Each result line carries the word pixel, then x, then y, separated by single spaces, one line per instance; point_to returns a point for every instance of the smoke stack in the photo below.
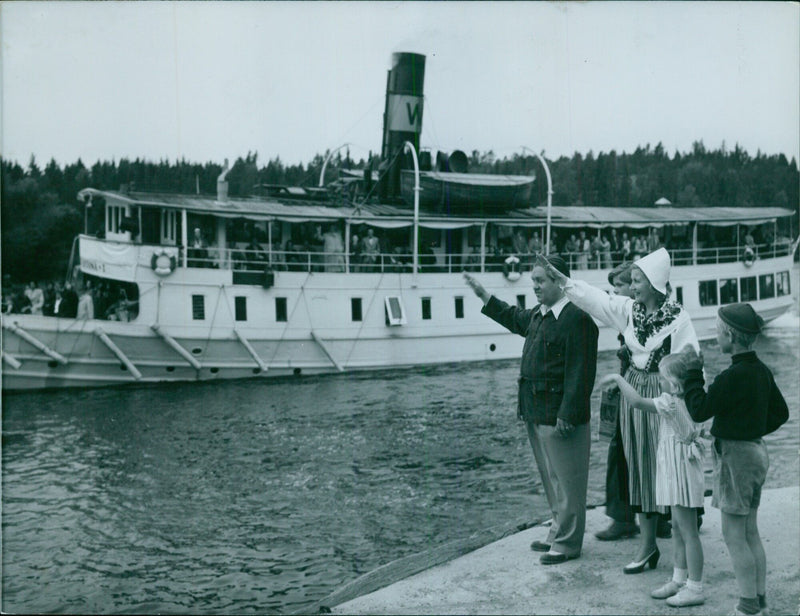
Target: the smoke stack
pixel 402 118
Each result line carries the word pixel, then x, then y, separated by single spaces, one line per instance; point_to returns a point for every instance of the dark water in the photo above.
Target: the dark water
pixel 265 496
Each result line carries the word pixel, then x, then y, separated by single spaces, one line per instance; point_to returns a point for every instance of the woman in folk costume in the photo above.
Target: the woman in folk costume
pixel 653 326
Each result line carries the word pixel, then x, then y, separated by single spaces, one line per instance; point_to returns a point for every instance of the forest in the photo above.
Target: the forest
pixel 41 215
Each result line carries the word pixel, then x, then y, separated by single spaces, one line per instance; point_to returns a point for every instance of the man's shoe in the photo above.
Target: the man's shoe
pixel 540 546
pixel 554 558
pixel 663 528
pixel 617 530
pixel 686 597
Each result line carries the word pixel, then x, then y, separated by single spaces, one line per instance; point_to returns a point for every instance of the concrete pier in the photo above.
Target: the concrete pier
pixel 505 577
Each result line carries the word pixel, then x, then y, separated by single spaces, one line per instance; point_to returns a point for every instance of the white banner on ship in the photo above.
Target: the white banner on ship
pixel 116 260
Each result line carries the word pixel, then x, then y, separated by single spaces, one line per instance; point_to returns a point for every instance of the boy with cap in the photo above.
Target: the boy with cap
pixel 746 404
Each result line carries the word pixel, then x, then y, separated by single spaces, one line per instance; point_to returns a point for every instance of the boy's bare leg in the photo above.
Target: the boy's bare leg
pixel 734 531
pixel 757 549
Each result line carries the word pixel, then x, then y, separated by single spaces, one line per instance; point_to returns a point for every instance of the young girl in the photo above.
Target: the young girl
pixel 679 475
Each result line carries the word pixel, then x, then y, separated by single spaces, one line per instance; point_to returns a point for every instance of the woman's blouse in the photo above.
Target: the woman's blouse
pixel 643 333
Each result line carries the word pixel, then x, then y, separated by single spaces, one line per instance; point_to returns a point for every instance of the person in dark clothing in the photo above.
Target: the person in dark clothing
pixel 559 361
pixel 68 308
pixel 746 405
pixel 623 518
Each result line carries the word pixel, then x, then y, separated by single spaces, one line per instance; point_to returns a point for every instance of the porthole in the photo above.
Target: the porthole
pixel 52 364
pixel 214 370
pixel 256 370
pixel 123 367
pixel 493 347
pixel 170 368
pixel 297 371
pixel 197 351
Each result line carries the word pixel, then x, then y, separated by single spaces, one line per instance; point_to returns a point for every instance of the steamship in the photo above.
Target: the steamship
pixel 203 303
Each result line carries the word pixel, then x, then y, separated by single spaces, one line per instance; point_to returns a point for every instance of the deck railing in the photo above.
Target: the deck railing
pixel 237 259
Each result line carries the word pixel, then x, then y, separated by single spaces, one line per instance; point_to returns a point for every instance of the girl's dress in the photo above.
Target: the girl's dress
pixel 648 338
pixel 679 460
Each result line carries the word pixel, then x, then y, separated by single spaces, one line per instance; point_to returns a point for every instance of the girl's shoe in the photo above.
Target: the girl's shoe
pixel 637 567
pixel 667 590
pixel 686 596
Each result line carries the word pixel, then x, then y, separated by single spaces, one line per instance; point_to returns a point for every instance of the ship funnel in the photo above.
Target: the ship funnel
pixel 402 117
pixel 222 184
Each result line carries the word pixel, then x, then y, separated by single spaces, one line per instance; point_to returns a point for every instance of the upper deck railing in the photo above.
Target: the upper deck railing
pixel 312 261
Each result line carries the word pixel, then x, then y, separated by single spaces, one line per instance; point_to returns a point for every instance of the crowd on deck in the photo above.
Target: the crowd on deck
pixel 92 298
pixel 323 249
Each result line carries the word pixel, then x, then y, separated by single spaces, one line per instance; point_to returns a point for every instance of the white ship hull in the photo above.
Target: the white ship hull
pixel 319 334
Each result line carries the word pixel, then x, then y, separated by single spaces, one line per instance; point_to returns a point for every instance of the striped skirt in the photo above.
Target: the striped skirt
pixel 639 431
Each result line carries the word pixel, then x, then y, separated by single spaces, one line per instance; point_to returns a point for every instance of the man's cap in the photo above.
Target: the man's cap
pixel 558 263
pixel 741 317
pixel 655 267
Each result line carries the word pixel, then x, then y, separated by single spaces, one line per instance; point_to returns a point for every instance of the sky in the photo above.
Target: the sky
pixel 206 81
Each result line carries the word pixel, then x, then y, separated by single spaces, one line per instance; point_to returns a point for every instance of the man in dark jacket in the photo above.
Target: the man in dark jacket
pixel 559 361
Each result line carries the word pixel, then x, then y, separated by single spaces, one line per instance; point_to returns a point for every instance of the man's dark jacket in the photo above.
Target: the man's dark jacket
pixel 559 361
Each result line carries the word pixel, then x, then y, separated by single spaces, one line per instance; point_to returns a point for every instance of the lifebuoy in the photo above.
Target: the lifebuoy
pixel 163 263
pixel 749 257
pixel 511 268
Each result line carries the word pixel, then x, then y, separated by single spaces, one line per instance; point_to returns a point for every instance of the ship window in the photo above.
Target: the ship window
pixel 459 307
pixel 355 309
pixel 198 307
pixel 114 216
pixel 395 313
pixel 748 289
pixel 782 283
pixel 280 309
pixel 679 295
pixel 521 302
pixel 728 291
pixel 766 286
pixel 708 292
pixel 426 308
pixel 240 305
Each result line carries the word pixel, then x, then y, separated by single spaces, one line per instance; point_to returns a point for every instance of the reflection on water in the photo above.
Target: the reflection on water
pixel 264 496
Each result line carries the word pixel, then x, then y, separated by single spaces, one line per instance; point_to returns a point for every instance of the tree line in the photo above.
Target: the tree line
pixel 41 214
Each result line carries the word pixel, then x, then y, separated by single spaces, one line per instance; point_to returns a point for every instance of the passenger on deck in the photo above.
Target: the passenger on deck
pixel 86 303
pixel 626 249
pixel 333 247
pixel 597 251
pixel 196 255
pixel 584 249
pixel 254 254
pixel 605 253
pixel 68 308
pixel 36 296
pixel 370 249
pixel 294 260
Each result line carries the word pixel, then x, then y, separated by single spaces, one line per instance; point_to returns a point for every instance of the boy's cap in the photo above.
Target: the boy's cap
pixel 741 317
pixel 558 263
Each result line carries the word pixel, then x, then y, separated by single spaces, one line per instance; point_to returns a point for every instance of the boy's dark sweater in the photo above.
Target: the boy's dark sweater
pixel 744 400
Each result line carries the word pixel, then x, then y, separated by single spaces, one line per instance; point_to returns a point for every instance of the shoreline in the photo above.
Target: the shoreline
pixel 505 576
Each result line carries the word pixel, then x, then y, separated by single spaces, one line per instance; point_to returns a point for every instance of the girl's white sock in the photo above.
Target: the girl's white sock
pixel 679 576
pixel 695 586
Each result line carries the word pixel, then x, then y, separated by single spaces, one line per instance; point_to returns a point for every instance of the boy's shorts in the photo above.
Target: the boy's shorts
pixel 740 468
